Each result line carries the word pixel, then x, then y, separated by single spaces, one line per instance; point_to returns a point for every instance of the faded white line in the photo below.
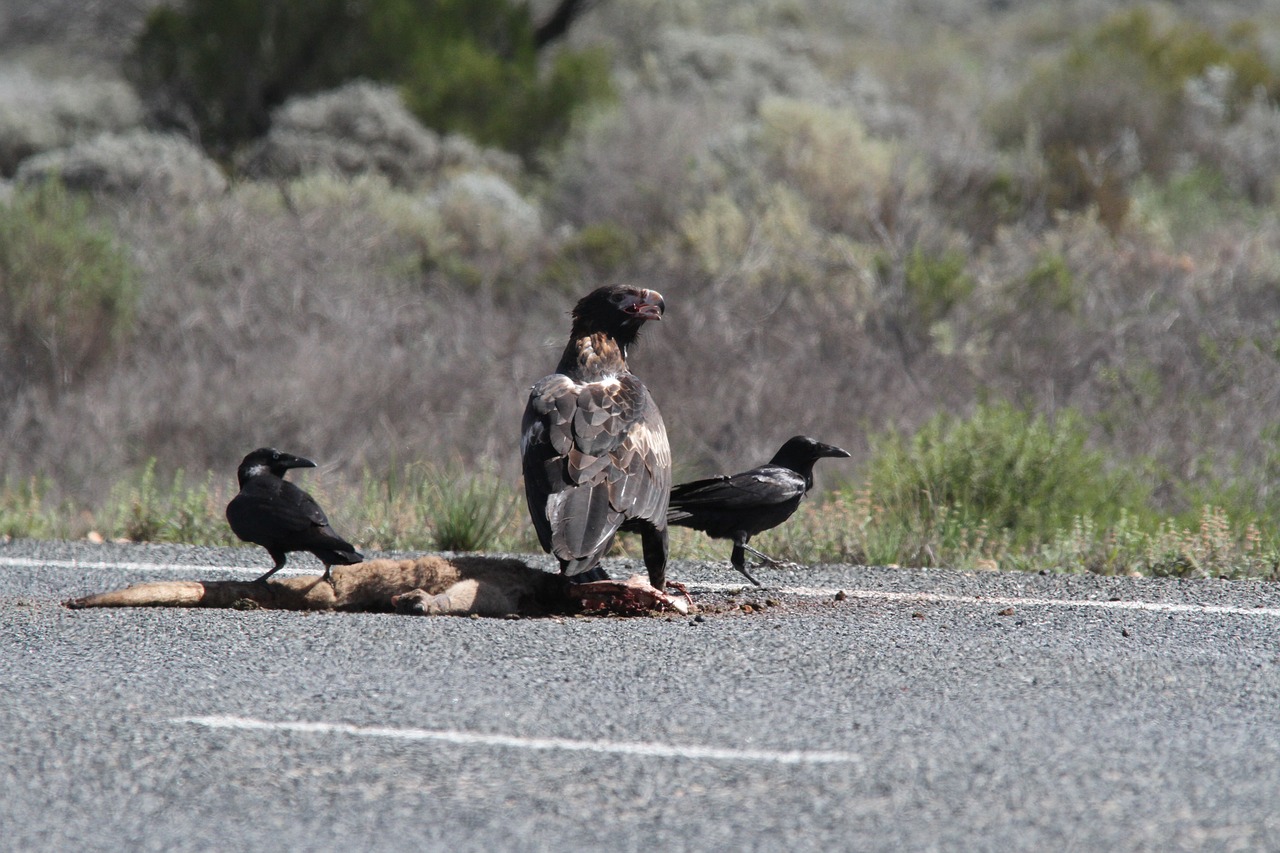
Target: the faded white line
pixel 463 738
pixel 1006 601
pixel 147 567
pixel 798 591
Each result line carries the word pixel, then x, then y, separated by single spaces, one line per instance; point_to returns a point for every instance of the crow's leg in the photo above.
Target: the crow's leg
pixel 279 557
pixel 766 559
pixel 739 560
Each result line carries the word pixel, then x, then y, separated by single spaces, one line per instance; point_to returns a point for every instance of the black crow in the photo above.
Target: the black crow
pixel 739 506
pixel 593 446
pixel 276 514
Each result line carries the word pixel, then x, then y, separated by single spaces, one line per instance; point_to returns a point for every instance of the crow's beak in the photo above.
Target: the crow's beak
pixel 832 450
pixel 290 461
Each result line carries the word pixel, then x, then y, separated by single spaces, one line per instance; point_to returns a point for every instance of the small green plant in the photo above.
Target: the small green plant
pixel 392 508
pixel 421 506
pixel 141 508
pixel 68 292
pixel 149 510
pixel 936 283
pixel 26 511
pixel 469 511
pixel 1050 283
pixel 196 513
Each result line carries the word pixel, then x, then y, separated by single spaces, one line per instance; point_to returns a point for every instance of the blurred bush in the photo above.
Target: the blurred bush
pixel 735 69
pixel 490 86
pixel 935 284
pixel 217 68
pixel 489 232
pixel 1242 144
pixel 68 293
pixel 1113 106
pixel 826 153
pixel 363 128
pixel 634 167
pixel 596 253
pixel 360 128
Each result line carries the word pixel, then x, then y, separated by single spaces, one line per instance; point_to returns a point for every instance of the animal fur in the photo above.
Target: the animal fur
pixel 427 586
pixel 484 586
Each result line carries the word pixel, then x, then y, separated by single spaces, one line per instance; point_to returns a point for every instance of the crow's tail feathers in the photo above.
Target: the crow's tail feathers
pixel 338 556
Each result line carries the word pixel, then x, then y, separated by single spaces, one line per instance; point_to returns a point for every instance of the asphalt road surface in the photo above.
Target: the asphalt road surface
pixel 927 710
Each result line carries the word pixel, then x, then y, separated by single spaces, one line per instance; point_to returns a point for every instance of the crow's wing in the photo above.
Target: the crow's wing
pixel 304 507
pixel 595 455
pixel 766 486
pixel 275 512
pixel 317 536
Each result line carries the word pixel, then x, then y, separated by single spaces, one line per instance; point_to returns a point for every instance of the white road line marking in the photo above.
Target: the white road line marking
pixel 799 591
pixel 462 738
pixel 1007 601
pixel 147 567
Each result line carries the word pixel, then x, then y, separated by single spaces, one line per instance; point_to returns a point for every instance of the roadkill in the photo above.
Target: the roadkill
pixel 425 586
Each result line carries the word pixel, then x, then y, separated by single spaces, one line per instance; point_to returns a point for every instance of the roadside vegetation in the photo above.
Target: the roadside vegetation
pixel 1024 263
pixel 1002 490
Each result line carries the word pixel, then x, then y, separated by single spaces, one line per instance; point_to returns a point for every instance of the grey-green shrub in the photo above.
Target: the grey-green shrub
pixel 38 113
pixel 139 162
pixel 358 129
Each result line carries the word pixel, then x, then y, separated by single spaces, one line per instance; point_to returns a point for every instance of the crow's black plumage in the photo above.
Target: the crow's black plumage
pixel 593 446
pixel 739 506
pixel 279 516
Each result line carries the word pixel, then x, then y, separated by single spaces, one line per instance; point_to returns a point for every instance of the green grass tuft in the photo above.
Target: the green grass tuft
pixel 1002 470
